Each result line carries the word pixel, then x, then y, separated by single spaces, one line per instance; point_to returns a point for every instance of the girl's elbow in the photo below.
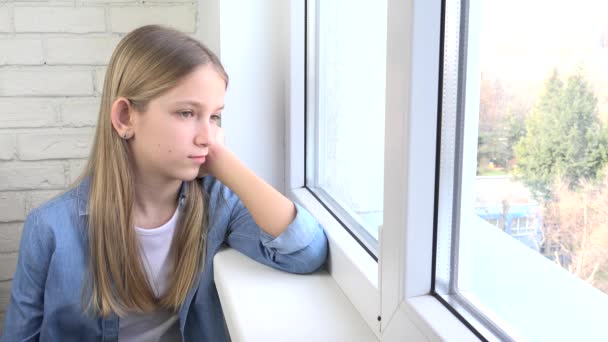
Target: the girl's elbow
pixel 315 254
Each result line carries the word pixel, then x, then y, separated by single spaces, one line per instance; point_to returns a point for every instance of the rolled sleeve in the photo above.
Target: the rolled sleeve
pixel 298 235
pixel 301 248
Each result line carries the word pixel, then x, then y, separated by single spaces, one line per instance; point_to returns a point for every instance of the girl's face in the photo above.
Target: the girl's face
pixel 172 138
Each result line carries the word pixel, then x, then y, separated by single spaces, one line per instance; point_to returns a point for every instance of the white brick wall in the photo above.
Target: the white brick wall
pixel 8 261
pixel 7 141
pixel 97 50
pixel 124 19
pixel 53 57
pixel 12 51
pixel 5 19
pixel 59 19
pixel 98 76
pixel 79 112
pixel 19 112
pixel 55 144
pixel 12 206
pixel 10 233
pixel 46 81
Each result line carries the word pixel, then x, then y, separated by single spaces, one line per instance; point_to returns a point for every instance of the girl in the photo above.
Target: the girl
pixel 127 254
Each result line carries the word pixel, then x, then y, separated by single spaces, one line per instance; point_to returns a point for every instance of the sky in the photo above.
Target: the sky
pixel 523 40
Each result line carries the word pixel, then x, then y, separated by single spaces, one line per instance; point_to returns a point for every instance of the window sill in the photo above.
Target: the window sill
pixel 431 318
pixel 264 304
pixel 418 319
pixel 351 267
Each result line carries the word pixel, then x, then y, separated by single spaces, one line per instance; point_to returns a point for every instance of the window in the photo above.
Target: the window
pixel 345 100
pixel 523 226
pixel 522 239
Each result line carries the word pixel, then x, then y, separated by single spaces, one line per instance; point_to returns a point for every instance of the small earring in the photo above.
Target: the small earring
pixel 125 136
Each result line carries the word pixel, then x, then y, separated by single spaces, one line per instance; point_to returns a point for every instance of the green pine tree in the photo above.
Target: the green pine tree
pixel 564 137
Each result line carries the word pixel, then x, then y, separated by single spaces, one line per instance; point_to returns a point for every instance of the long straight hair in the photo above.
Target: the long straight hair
pixel 146 63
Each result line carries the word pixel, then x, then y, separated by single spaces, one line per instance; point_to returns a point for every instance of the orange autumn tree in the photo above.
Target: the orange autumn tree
pixel 575 230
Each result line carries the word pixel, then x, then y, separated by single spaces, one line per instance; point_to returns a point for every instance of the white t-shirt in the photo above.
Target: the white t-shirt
pixel 163 326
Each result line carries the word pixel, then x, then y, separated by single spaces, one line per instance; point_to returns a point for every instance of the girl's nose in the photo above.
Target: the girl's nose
pixel 203 135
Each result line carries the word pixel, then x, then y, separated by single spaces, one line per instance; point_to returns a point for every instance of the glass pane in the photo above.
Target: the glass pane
pixel 346 137
pixel 527 247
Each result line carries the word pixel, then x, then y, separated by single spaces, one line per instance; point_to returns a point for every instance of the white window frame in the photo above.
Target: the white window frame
pixel 410 315
pixel 526 229
pixel 393 295
pixel 413 66
pixel 353 269
pixel 398 288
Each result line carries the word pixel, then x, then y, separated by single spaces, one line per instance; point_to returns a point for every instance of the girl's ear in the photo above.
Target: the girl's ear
pixel 122 120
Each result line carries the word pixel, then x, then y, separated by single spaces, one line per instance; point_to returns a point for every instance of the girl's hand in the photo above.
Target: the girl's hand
pixel 215 149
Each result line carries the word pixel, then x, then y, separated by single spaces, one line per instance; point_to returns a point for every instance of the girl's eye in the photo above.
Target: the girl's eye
pixel 186 114
pixel 216 118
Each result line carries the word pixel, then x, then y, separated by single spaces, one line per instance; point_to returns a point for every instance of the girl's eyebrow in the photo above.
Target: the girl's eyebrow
pixel 196 104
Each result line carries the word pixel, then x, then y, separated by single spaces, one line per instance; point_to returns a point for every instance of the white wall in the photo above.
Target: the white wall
pixel 254 49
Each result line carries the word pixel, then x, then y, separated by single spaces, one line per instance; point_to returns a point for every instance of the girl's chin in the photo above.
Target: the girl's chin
pixel 188 175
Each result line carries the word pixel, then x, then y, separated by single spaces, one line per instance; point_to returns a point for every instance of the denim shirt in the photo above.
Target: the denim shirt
pixel 46 300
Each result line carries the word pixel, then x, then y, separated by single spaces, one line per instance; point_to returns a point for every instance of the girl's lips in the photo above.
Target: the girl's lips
pixel 198 159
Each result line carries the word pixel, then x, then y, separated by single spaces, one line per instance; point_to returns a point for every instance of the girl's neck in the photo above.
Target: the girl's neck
pixel 155 201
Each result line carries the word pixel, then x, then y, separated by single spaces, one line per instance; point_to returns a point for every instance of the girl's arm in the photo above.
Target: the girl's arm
pixel 300 248
pixel 263 223
pixel 272 211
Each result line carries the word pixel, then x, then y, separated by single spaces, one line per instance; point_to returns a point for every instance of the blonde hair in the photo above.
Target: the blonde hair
pixel 146 63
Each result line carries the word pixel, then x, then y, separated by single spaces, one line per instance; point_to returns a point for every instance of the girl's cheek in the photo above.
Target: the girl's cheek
pixel 214 133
